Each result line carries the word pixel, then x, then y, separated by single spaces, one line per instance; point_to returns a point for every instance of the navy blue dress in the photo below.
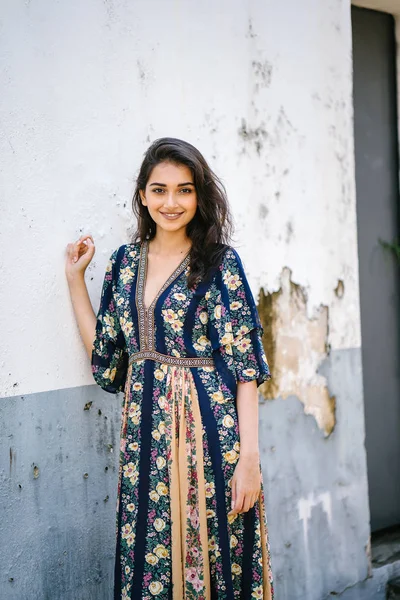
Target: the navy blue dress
pixel 178 363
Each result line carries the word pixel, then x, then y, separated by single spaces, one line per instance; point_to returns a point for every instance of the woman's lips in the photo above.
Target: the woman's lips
pixel 171 216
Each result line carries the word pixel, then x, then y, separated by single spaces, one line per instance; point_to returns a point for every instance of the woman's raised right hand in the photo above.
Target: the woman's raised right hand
pixel 79 254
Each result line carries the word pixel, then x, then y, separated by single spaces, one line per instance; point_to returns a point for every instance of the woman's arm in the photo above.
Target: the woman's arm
pixel 246 480
pixel 247 406
pixel 79 255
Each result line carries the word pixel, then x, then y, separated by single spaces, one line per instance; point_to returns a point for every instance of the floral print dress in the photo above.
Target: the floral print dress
pixel 178 363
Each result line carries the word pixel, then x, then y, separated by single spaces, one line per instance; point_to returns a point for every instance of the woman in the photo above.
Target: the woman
pixel 178 332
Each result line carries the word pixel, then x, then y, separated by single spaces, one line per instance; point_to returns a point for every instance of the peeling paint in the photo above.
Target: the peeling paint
pixel 296 346
pixel 305 508
pixel 339 290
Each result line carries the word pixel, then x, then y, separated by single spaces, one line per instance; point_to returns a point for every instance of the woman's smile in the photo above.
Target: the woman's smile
pixel 171 216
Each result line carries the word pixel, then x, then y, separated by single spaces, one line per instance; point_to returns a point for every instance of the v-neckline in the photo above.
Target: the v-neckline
pixel 143 275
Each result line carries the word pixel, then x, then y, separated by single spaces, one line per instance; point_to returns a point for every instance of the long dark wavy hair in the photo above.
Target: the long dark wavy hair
pixel 211 228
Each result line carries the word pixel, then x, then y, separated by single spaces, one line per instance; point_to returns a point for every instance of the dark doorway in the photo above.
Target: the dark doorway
pixel 377 180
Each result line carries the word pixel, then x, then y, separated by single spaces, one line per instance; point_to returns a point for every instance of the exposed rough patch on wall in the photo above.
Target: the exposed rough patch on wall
pixel 339 290
pixel 296 346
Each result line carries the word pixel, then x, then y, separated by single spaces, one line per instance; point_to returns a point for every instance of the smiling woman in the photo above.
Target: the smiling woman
pixel 178 332
pixel 171 205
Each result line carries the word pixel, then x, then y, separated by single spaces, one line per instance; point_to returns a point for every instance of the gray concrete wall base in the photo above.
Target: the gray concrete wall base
pixel 373 588
pixel 58 485
pixel 316 488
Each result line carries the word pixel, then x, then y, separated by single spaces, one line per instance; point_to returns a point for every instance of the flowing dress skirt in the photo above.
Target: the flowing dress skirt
pixel 179 449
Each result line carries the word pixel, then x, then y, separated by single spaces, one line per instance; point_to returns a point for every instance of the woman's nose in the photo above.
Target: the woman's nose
pixel 169 199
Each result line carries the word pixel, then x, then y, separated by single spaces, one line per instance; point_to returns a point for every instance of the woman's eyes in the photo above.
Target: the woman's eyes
pixel 184 190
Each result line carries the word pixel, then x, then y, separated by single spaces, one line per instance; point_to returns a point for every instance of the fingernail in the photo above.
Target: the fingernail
pixel 232 504
pixel 75 259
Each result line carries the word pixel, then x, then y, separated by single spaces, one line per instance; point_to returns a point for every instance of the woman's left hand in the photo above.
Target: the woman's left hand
pixel 245 485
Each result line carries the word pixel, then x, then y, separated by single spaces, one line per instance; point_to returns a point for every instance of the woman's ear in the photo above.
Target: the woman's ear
pixel 142 197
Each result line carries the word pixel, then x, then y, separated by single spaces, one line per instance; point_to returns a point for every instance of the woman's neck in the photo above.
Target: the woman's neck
pixel 170 243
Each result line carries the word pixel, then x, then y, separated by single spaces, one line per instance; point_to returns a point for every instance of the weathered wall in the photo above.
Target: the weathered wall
pixel 86 85
pixel 264 90
pixel 58 482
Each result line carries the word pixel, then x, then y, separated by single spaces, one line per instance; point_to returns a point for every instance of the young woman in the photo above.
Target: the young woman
pixel 178 332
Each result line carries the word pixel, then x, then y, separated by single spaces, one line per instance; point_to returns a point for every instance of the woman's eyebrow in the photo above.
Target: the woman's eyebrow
pixel 165 185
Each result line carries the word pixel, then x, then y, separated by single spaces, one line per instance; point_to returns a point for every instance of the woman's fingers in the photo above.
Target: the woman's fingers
pixel 248 501
pixel 233 489
pixel 234 497
pixel 78 251
pixel 84 240
pixel 90 248
pixel 84 237
pixel 238 506
pixel 79 254
pixel 70 251
pixel 81 246
pixel 242 501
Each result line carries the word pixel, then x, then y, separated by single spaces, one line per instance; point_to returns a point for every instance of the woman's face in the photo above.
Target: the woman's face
pixel 170 196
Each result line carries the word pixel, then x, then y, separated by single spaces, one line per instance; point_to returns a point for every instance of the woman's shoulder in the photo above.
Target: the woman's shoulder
pixel 123 255
pixel 227 264
pixel 229 258
pixel 129 249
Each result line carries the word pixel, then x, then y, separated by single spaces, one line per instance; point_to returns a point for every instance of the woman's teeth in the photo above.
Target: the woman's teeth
pixel 171 215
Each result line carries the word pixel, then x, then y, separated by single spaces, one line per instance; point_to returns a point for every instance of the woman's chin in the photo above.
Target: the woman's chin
pixel 170 225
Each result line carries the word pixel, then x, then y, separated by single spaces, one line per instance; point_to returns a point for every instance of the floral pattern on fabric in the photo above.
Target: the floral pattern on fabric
pixel 235 329
pixel 180 433
pixel 109 354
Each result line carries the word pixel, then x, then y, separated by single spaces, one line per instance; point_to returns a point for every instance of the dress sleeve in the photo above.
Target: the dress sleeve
pixel 235 328
pixel 109 360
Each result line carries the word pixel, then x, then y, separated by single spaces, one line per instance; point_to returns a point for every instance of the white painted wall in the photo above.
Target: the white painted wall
pixel 86 86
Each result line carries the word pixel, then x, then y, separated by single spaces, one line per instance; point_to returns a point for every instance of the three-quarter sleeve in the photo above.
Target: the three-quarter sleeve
pixel 235 328
pixel 109 359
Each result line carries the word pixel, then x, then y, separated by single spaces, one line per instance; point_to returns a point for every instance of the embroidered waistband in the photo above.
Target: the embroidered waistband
pixel 172 360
